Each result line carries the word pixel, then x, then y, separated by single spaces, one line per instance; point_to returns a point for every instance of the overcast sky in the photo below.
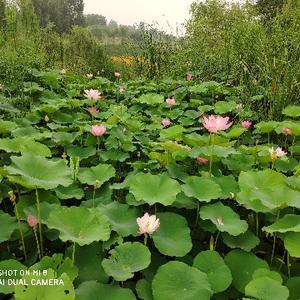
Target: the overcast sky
pixel 168 13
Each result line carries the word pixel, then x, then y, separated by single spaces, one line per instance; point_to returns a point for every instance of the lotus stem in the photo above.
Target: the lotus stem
pixel 39 219
pixel 211 142
pixel 145 239
pixel 73 253
pixel 274 240
pixel 21 232
pixel 37 243
pixel 197 214
pixel 216 240
pixel 288 264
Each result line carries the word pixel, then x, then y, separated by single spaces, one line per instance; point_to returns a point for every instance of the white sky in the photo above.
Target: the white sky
pixel 167 13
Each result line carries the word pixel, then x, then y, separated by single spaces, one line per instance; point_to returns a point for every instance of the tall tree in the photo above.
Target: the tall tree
pixel 63 13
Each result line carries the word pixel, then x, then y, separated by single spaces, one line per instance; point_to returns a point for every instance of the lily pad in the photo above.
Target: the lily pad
pixel 33 171
pixel 98 291
pixel 69 192
pixel 122 218
pixel 8 226
pixel 126 259
pixel 101 173
pixel 242 265
pixel 211 263
pixel 63 290
pixel 80 225
pixel 173 236
pixel 7 265
pixel 176 280
pixel 292 243
pixel 154 188
pixel 225 219
pixel 245 241
pixel 285 224
pixel 203 189
pixel 267 289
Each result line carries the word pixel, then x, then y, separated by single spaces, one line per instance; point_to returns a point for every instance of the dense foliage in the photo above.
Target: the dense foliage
pixel 81 169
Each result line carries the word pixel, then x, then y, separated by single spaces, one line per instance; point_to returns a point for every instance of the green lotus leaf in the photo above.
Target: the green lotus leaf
pixel 173 236
pixel 285 224
pixel 183 201
pixel 176 280
pixel 8 226
pixel 69 192
pixel 80 225
pixel 228 186
pixel 242 265
pixel 235 132
pixel 101 173
pixel 144 289
pixel 88 260
pixel 24 144
pixel 114 155
pixel 264 191
pixel 81 152
pixel 292 243
pixel 245 241
pixel 203 189
pixel 7 126
pixel 126 259
pixel 98 291
pixel 6 265
pixel 239 162
pixel 172 133
pixel 39 172
pixel 122 218
pixel 154 188
pixel 225 219
pixel 151 99
pixel 267 273
pixel 64 290
pixel 214 151
pixel 58 264
pixel 64 138
pixel 267 289
pixel 211 263
pixel 266 127
pixel 293 285
pixel 292 111
pixel 222 107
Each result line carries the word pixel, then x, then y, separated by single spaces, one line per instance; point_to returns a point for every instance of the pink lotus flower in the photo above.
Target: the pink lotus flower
pixel 98 130
pixel 31 220
pixel 287 131
pixel 246 124
pixel 117 74
pixel 147 224
pixel 278 152
pixel 189 77
pixel 171 101
pixel 166 122
pixel 201 160
pixel 89 76
pixel 92 94
pixel 121 89
pixel 216 123
pixel 92 109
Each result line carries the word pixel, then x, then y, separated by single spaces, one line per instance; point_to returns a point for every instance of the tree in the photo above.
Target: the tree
pixel 269 9
pixel 93 19
pixel 2 14
pixel 63 13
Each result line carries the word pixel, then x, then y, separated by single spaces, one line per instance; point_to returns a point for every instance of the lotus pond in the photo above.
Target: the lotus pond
pixel 143 190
